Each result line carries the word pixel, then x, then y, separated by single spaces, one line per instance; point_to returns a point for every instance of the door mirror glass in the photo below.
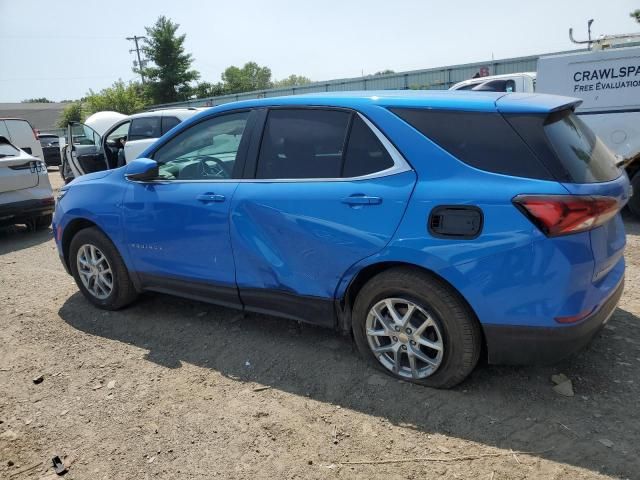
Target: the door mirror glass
pixel 142 170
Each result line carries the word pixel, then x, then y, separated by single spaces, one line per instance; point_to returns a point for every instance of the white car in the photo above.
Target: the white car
pixel 109 140
pixel 512 82
pixel 22 135
pixel 26 196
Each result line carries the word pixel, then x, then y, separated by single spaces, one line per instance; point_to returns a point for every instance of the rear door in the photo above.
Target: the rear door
pixel 328 190
pixel 84 153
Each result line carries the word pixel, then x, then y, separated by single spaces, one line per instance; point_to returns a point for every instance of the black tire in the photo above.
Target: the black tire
pixel 43 222
pixel 460 330
pixel 634 201
pixel 123 292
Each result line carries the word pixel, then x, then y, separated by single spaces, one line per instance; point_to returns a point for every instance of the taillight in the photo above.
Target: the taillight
pixel 559 215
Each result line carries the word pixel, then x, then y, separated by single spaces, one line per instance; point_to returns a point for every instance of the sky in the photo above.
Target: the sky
pixel 60 50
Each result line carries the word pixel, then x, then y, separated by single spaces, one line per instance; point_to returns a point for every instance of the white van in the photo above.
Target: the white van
pixel 607 81
pixel 109 139
pixel 21 134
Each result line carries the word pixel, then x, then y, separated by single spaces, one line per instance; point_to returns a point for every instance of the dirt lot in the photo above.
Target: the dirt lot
pixel 175 389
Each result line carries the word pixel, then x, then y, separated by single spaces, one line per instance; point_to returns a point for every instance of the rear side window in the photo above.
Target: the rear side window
pixel 365 154
pixel 144 127
pixel 483 140
pixel 581 153
pixel 303 143
pixel 168 123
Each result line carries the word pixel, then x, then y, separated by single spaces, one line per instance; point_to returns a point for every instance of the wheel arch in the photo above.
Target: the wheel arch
pixel 344 305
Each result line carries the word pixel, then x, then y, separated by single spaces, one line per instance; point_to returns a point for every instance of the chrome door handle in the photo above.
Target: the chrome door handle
pixel 210 198
pixel 359 199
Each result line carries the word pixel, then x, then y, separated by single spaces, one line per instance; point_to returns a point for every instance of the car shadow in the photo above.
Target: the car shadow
pixel 505 407
pixel 19 237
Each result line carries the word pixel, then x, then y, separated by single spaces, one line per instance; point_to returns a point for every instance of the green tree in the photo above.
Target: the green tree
pixel 250 77
pixel 292 81
pixel 37 100
pixel 72 113
pixel 120 97
pixel 384 72
pixel 207 89
pixel 170 75
pixel 635 14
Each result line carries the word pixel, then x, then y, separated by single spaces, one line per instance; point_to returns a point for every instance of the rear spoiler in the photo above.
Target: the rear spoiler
pixel 535 103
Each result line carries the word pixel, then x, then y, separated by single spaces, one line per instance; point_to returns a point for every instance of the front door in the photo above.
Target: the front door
pixel 178 225
pixel 84 153
pixel 323 199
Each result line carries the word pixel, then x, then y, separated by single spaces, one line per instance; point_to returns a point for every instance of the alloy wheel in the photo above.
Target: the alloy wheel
pixel 94 271
pixel 405 339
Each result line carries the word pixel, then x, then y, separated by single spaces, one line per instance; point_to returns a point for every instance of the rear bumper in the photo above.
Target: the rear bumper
pixel 17 211
pixel 521 345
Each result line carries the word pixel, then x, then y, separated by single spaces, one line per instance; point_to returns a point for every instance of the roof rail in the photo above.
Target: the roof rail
pixel 170 107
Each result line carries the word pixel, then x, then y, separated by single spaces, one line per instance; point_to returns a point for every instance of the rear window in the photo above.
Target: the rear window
pixel 581 152
pixel 365 154
pixel 7 150
pixel 302 143
pixel 483 140
pixel 558 146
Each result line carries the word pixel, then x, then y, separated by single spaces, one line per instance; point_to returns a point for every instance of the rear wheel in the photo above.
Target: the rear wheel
pixel 99 271
pixel 416 328
pixel 634 201
pixel 43 222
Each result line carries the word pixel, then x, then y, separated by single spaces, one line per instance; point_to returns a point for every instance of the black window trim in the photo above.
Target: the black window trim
pixel 400 164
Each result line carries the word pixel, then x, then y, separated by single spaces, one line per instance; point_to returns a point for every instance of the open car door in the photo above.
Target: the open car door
pixel 83 153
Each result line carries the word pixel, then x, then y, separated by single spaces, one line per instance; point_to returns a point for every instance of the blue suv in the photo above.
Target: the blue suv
pixel 432 226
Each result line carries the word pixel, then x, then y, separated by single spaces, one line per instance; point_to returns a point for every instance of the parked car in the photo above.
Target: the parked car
pixel 608 83
pixel 26 196
pixel 50 144
pixel 429 225
pixel 509 83
pixel 22 135
pixel 110 139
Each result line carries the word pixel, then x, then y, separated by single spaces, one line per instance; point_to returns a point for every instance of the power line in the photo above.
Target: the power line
pixel 135 38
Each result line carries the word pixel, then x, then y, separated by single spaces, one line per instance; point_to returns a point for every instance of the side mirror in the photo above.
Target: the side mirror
pixel 142 170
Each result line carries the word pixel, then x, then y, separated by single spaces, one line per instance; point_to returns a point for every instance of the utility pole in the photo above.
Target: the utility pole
pixel 135 38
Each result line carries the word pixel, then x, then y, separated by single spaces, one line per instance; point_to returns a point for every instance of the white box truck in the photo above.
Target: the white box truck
pixel 607 82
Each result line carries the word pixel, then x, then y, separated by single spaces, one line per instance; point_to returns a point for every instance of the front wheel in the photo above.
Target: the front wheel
pixel 99 271
pixel 414 327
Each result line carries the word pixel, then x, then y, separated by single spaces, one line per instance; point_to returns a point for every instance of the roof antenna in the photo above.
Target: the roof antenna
pixel 582 42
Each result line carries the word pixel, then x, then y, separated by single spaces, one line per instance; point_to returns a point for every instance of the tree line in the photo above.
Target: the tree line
pixel 169 77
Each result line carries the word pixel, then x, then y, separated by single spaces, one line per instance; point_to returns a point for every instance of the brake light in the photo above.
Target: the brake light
pixel 559 215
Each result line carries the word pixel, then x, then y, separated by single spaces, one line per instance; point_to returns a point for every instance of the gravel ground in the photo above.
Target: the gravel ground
pixel 176 389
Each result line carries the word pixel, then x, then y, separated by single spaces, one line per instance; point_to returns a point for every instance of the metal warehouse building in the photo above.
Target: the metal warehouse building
pixel 440 78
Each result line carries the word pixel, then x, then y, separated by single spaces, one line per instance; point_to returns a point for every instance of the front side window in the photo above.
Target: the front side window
pixel 144 127
pixel 206 150
pixel 303 143
pixel 84 135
